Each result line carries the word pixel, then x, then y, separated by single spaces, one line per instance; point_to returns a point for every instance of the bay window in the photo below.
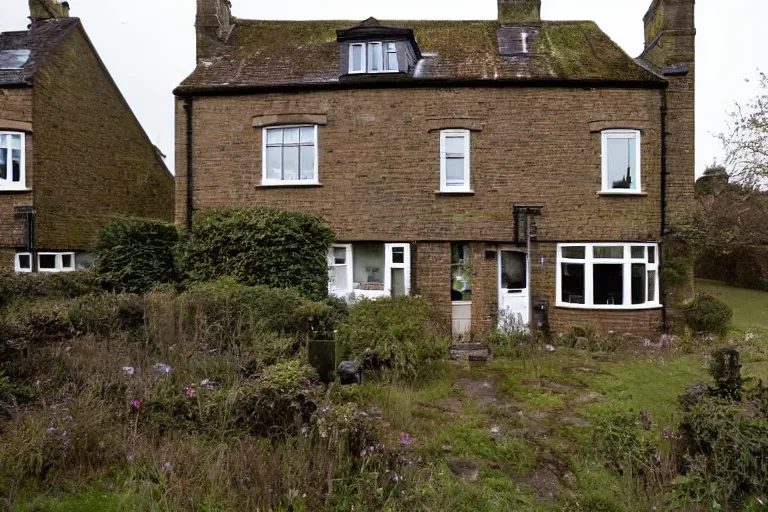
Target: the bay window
pixel 608 276
pixel 369 270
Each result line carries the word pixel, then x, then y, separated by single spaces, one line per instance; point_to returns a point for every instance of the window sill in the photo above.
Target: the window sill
pixel 621 193
pixel 454 192
pixel 288 185
pixel 565 305
pixel 14 190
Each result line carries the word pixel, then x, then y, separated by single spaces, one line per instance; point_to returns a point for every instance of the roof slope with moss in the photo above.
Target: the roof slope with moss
pixel 268 54
pixel 41 39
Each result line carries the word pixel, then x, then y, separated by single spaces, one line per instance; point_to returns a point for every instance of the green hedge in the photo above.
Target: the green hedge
pixel 745 266
pixel 14 287
pixel 136 254
pixel 260 246
pixel 706 313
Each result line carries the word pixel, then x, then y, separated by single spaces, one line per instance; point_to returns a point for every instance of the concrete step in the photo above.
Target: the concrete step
pixel 471 352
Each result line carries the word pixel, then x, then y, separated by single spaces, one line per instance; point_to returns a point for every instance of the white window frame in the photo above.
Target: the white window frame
pixel 59 262
pixel 627 261
pixel 607 135
pixel 294 183
pixel 364 60
pixel 8 184
pixel 17 263
pixel 382 47
pixel 389 264
pixel 444 186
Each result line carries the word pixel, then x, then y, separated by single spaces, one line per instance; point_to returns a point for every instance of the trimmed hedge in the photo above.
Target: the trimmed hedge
pixel 706 313
pixel 260 246
pixel 136 254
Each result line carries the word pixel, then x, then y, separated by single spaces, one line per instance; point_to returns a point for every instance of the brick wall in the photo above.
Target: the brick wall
pixel 15 105
pixel 379 182
pixel 93 157
pixel 431 278
pixel 485 290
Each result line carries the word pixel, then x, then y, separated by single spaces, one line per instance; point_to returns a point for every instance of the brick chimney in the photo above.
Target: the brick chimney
pixel 519 10
pixel 48 9
pixel 212 25
pixel 670 32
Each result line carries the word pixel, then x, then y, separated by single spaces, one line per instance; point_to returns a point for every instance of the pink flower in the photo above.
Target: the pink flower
pixel 405 439
pixel 135 404
pixel 190 392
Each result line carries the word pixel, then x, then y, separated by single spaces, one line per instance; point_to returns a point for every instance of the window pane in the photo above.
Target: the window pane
pixel 608 284
pixel 398 282
pixel 374 56
pixel 47 261
pixel 398 255
pixel 25 261
pixel 391 61
pixel 339 278
pixel 573 283
pixel 454 145
pixel 291 162
pixel 638 283
pixel 291 136
pixel 608 252
pixel 275 136
pixel 275 163
pixel 357 57
pixel 339 255
pixel 651 286
pixel 621 163
pixel 3 140
pixel 308 135
pixel 576 253
pixel 307 162
pixel 3 164
pixel 514 275
pixel 461 268
pixel 454 171
pixel 16 165
pixel 16 142
pixel 66 261
pixel 651 254
pixel 368 265
pixel 638 253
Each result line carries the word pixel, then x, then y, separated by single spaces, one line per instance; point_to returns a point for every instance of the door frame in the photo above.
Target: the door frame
pixel 527 253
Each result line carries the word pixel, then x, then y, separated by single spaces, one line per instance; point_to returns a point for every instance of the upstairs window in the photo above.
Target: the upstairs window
pixel 374 57
pixel 621 161
pixel 454 161
pixel 608 276
pixel 290 156
pixel 12 161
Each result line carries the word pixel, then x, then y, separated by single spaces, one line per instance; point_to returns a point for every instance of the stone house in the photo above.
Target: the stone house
pixel 514 169
pixel 71 150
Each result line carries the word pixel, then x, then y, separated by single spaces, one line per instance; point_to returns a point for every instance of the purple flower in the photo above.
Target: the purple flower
pixel 405 439
pixel 190 392
pixel 128 371
pixel 135 404
pixel 162 368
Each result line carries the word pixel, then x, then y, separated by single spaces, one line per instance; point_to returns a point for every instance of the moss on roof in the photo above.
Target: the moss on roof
pixel 284 53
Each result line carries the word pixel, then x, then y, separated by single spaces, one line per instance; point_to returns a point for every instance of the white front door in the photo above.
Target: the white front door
pixel 514 299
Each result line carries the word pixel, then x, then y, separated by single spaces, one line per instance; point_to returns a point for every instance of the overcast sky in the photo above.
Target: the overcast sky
pixel 149 45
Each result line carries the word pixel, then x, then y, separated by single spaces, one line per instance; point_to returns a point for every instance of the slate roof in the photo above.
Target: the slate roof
pixel 279 54
pixel 41 39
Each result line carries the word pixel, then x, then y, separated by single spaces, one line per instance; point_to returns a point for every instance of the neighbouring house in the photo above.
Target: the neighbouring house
pixel 513 169
pixel 71 150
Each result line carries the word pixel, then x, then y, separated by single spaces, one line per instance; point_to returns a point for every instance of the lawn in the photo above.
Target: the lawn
pixel 750 307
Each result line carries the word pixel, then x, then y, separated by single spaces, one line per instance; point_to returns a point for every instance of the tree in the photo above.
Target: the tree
pixel 746 141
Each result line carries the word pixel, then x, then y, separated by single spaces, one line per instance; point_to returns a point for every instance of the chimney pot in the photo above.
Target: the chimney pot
pixel 48 9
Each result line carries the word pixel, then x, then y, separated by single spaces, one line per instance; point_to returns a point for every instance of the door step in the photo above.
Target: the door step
pixel 471 352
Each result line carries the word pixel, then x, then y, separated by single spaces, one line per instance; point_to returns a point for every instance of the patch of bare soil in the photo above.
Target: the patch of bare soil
pixel 553 387
pixel 588 398
pixel 545 482
pixel 449 404
pixel 479 389
pixel 464 468
pixel 586 369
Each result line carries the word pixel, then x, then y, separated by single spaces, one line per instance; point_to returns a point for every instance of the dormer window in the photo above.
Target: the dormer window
pixel 373 57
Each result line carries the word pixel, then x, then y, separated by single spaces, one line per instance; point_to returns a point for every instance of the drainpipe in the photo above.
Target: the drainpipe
pixel 664 113
pixel 190 181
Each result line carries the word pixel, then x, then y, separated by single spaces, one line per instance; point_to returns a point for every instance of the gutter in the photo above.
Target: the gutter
pixel 664 113
pixel 188 103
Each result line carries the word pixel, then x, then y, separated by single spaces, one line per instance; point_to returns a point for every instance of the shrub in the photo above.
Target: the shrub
pixel 586 338
pixel 626 448
pixel 136 254
pixel 14 287
pixel 393 334
pixel 106 314
pixel 260 246
pixel 706 313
